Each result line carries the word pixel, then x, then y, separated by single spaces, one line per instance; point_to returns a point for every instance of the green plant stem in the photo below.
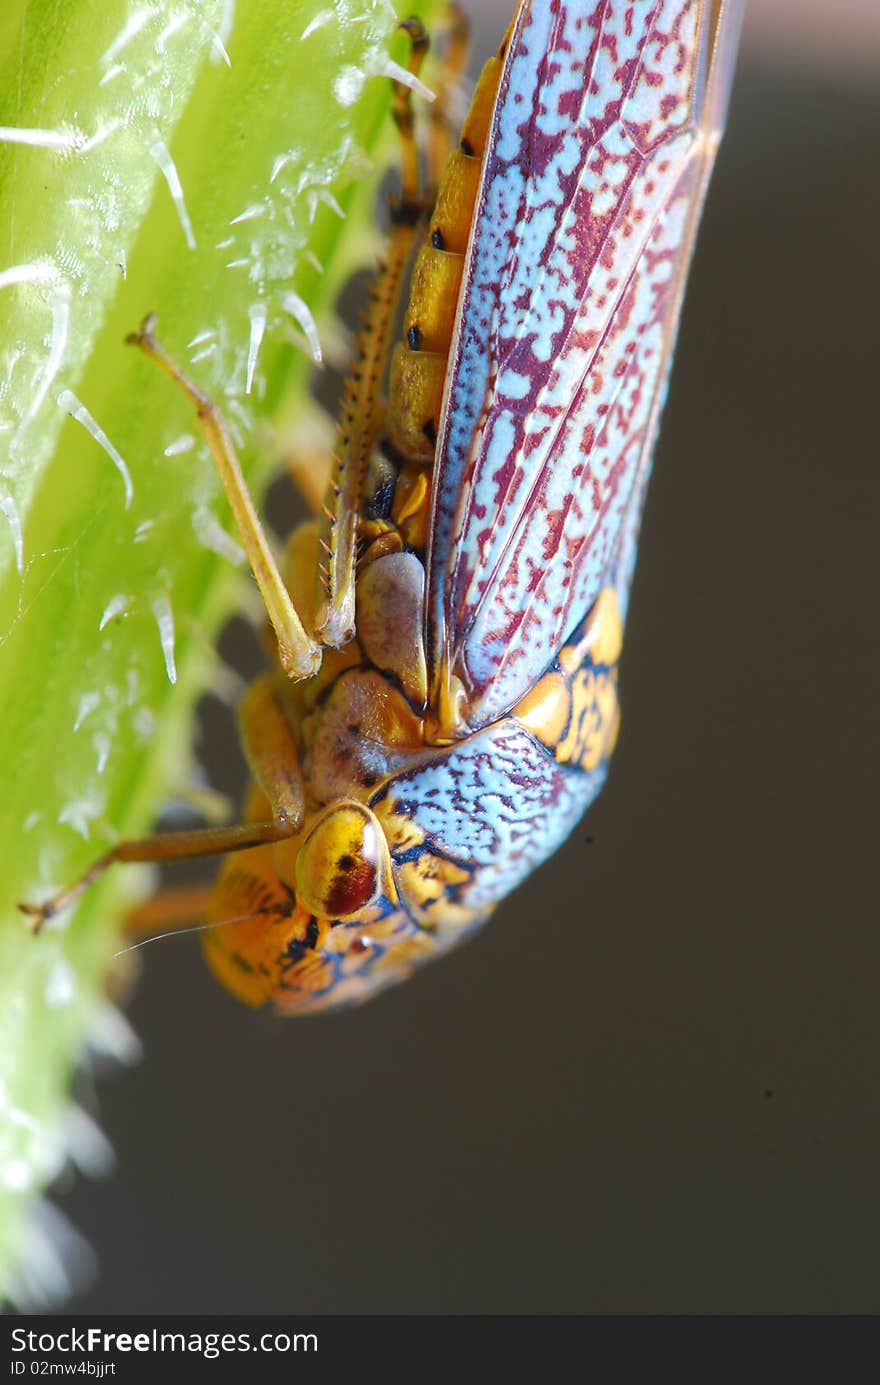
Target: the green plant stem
pixel 159 176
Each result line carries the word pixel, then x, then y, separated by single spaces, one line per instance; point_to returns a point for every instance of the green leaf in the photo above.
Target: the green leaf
pixel 141 170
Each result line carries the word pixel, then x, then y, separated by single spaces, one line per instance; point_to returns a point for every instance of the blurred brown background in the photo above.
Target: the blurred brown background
pixel 651 1085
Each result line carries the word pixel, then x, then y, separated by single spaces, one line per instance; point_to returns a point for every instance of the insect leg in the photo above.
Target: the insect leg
pixel 362 413
pixel 162 846
pixel 299 654
pixel 272 754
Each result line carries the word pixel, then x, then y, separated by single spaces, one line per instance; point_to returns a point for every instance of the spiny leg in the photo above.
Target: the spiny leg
pixel 299 654
pixel 361 413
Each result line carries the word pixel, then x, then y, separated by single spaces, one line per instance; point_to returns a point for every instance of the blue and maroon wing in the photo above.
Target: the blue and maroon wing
pixel 607 119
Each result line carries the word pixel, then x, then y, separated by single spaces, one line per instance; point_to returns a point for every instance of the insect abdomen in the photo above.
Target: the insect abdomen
pixel 418 363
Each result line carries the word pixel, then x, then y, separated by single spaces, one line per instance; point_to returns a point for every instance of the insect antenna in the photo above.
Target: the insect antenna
pixel 193 928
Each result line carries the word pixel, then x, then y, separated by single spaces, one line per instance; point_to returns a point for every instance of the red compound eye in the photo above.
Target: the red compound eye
pixel 338 865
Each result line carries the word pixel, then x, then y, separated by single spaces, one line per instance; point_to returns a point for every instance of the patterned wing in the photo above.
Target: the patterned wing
pixel 605 128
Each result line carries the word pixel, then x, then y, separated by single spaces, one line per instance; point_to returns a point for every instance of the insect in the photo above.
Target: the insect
pixel 444 702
